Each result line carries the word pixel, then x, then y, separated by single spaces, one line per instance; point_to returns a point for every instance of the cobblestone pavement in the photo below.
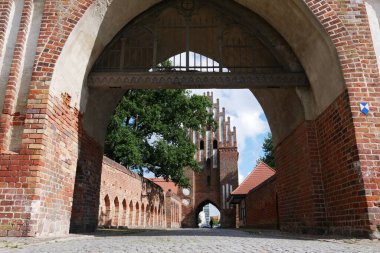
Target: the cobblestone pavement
pixel 186 240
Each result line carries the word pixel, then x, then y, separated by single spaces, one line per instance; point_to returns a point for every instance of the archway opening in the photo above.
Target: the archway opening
pixel 298 103
pixel 143 215
pixel 130 214
pixel 208 216
pixel 107 217
pixel 124 215
pixel 115 220
pixel 137 214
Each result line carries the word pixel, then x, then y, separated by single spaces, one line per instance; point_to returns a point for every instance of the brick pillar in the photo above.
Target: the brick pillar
pixel 320 183
pixel 348 211
pixel 168 209
pixel 86 194
pixel 299 183
pixel 228 162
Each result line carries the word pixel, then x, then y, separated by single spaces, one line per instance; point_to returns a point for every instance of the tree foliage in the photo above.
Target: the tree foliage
pixel 149 130
pixel 268 149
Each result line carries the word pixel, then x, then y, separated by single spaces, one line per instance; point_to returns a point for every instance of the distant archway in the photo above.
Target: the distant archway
pixel 206 212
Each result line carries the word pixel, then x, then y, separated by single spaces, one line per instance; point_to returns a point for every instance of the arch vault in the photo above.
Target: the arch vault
pixel 308 66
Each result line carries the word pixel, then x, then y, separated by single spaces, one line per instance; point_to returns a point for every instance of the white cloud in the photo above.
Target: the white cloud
pixel 241 178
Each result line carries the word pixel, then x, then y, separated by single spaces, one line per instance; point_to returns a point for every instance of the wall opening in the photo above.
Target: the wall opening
pixel 115 221
pixel 208 216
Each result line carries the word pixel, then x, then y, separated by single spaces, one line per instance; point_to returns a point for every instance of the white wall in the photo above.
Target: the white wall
pixel 373 11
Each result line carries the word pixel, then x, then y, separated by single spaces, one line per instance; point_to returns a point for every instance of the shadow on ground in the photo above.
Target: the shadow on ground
pixel 259 233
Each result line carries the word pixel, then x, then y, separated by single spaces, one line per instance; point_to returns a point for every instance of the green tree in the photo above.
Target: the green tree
pixel 166 65
pixel 149 130
pixel 268 149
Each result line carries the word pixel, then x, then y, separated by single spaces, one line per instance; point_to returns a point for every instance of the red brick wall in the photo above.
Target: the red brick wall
pixel 341 170
pixel 300 188
pixel 261 206
pixel 347 24
pixel 173 210
pixel 10 117
pixel 228 162
pixel 320 184
pixel 130 190
pixel 5 11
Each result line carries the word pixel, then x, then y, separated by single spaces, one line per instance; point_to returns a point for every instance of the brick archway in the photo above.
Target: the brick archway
pixel 115 218
pixel 203 204
pixel 124 214
pixel 316 123
pixel 130 213
pixel 107 215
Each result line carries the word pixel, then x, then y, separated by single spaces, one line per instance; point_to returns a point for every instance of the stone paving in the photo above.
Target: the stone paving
pixel 186 240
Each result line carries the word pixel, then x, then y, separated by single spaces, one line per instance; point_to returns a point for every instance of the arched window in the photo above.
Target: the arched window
pixel 202 145
pixel 215 144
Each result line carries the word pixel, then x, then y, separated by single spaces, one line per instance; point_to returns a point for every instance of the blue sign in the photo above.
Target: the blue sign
pixel 364 108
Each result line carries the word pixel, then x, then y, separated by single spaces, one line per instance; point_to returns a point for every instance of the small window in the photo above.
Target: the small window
pixel 215 144
pixel 202 145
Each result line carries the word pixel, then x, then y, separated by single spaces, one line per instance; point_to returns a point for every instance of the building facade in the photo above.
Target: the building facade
pixel 218 155
pixel 256 199
pixel 129 200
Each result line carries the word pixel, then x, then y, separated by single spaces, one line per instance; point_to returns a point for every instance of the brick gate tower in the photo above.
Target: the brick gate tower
pixel 217 152
pixel 313 67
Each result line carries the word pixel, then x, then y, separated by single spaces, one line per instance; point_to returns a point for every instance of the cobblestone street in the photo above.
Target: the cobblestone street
pixel 186 240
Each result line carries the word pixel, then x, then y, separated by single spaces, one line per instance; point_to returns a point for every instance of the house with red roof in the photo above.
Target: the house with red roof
pixel 256 199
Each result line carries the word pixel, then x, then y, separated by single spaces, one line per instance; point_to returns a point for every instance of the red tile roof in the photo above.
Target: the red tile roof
pixel 166 186
pixel 260 174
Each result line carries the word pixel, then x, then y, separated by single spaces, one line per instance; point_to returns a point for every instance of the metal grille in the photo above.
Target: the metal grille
pixel 190 61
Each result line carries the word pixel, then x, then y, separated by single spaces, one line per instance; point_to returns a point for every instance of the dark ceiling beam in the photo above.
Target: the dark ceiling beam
pixel 195 80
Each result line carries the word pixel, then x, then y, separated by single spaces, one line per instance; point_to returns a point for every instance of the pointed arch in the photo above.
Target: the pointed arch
pixel 130 223
pixel 137 214
pixel 155 217
pixel 151 216
pixel 199 209
pixel 107 216
pixel 124 215
pixel 142 222
pixel 115 220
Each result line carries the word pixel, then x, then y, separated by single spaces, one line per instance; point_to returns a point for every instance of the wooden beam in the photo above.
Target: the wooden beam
pixel 195 80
